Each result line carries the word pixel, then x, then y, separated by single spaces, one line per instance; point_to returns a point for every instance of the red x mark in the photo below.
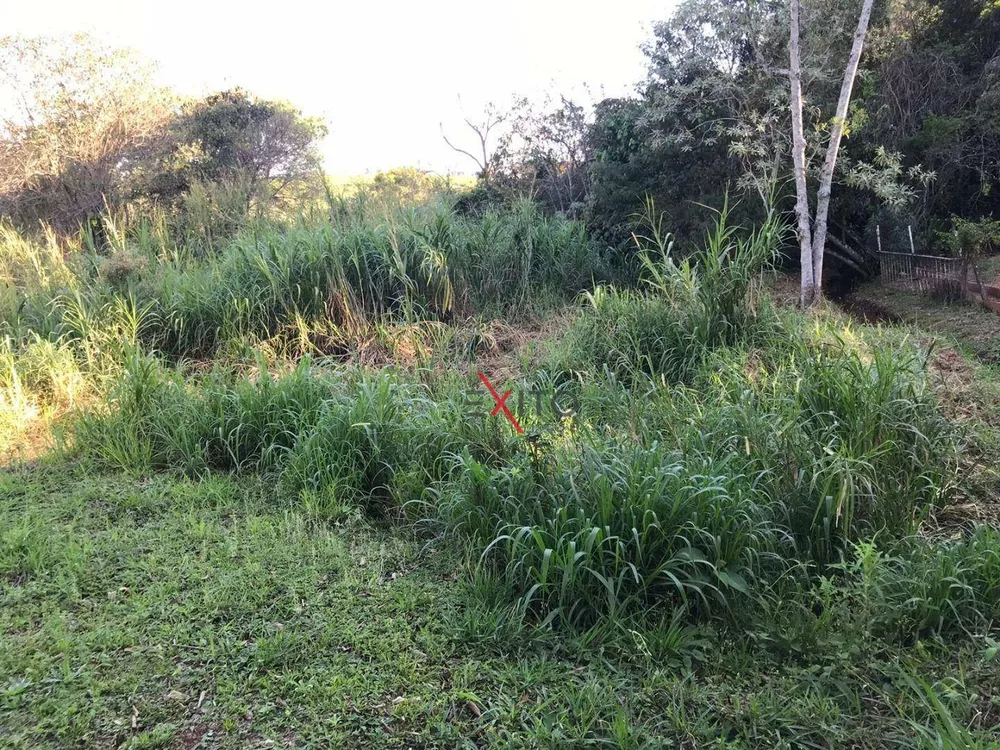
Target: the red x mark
pixel 501 403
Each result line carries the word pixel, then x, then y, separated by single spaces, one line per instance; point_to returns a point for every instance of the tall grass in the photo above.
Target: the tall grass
pixel 341 276
pixel 761 442
pixel 701 496
pixel 71 313
pixel 722 448
pixel 688 307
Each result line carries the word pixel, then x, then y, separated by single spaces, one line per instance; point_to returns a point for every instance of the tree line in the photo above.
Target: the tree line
pixel 89 130
pixel 853 116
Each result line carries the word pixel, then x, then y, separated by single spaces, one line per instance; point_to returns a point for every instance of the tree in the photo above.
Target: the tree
pixel 671 142
pixel 86 122
pixel 485 155
pixel 547 153
pixel 933 95
pixel 262 146
pixel 921 107
pixel 812 237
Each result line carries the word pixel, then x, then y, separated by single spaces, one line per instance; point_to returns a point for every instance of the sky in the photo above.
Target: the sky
pixel 386 75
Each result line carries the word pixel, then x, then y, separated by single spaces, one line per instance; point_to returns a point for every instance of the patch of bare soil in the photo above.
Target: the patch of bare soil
pixel 785 289
pixel 868 311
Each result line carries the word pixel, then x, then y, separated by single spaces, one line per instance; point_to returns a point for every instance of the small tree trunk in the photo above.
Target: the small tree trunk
pixel 832 149
pixel 807 294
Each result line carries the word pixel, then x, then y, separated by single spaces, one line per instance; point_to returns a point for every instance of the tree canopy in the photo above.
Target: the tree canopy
pixel 920 139
pixel 89 129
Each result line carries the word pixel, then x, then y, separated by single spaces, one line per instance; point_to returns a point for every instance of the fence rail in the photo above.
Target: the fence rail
pixel 925 273
pixel 952 277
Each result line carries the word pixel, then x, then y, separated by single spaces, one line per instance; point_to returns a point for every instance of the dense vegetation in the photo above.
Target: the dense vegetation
pixel 729 469
pixel 714 113
pixel 254 490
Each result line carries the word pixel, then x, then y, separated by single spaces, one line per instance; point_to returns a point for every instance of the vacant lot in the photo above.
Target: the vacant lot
pixel 262 497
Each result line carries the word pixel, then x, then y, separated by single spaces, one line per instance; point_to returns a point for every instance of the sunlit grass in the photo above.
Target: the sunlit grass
pixel 732 473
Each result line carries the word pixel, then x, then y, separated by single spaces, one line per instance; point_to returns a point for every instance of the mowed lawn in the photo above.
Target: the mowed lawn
pixel 163 613
pixel 158 612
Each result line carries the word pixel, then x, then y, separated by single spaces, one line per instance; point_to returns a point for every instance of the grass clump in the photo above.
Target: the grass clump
pixel 340 276
pixel 690 307
pixel 948 588
pixel 614 529
pixel 350 440
pixel 780 444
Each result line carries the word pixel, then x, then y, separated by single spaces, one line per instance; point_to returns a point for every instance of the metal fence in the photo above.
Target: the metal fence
pixel 924 273
pixel 950 277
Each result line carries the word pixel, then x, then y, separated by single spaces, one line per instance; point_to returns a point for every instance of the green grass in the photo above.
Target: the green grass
pixel 974 327
pixel 134 600
pixel 327 282
pixel 706 497
pixel 965 339
pixel 750 529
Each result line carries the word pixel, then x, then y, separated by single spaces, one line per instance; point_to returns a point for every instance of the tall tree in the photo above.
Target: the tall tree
pixel 812 234
pixel 261 145
pixel 709 74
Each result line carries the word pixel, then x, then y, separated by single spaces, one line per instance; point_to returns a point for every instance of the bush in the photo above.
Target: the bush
pixel 315 431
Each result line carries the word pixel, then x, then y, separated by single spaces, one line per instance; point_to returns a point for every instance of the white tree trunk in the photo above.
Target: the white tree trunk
pixel 832 149
pixel 808 289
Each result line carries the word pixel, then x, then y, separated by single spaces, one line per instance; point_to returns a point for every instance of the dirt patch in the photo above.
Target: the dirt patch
pixel 975 327
pixel 28 442
pixel 868 311
pixel 198 736
pixel 950 371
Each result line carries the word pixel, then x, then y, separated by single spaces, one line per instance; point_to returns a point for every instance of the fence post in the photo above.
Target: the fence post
pixel 909 228
pixel 979 281
pixel 878 236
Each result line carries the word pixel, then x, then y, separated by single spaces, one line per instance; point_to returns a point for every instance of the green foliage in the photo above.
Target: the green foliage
pixel 274 612
pixel 95 135
pixel 342 277
pixel 733 474
pixel 971 238
pixel 946 588
pixel 232 138
pixel 711 115
pixel 708 300
pixel 738 493
pixel 749 445
pixel 609 529
pixel 632 162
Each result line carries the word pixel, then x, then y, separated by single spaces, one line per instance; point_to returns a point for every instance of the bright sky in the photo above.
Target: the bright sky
pixel 383 73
